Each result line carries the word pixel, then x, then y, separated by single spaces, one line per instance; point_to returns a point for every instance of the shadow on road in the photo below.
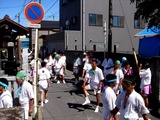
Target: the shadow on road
pixel 79 107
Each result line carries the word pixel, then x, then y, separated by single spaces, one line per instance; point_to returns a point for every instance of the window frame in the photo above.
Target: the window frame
pixel 118 22
pixel 96 21
pixel 140 23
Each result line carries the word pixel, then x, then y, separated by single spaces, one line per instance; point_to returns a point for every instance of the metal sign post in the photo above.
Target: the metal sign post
pixel 36 71
pixel 34 12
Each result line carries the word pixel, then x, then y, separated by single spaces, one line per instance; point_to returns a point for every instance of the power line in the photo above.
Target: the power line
pixel 10 7
pixel 51 6
pixel 126 24
pixel 52 15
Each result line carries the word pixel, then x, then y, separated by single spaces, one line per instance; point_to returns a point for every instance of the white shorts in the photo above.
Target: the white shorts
pixel 75 70
pixel 59 72
pixel 43 88
pixel 93 87
pixel 43 85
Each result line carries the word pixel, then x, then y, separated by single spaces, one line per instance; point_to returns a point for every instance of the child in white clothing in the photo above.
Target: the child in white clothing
pixel 109 97
pixel 129 102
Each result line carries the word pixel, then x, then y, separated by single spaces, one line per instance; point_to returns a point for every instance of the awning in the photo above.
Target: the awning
pixel 148 32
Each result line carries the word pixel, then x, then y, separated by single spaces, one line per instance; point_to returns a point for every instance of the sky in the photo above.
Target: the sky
pixel 13 7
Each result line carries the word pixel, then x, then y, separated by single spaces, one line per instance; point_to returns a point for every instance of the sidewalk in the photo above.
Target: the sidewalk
pixel 65 103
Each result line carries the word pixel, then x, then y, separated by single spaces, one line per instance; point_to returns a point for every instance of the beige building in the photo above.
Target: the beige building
pixel 83 24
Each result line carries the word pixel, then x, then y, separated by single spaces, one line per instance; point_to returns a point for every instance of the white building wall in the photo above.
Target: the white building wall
pixel 121 36
pixel 94 35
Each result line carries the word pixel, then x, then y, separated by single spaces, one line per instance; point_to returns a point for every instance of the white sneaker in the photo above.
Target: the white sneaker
pixel 55 77
pixel 97 109
pixel 86 102
pixel 46 101
pixel 87 93
pixel 76 82
pixel 118 113
pixel 95 92
pixel 41 104
pixel 58 82
pixel 64 82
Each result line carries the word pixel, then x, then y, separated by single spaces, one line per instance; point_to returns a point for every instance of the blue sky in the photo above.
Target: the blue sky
pixel 13 7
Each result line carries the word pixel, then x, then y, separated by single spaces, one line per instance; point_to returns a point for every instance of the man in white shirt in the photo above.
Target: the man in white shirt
pixel 96 78
pixel 145 75
pixel 63 58
pixel 119 73
pixel 32 72
pixel 109 97
pixel 87 67
pixel 129 102
pixel 44 83
pixel 76 68
pixel 107 64
pixel 25 94
pixel 59 68
pixel 85 58
pixel 6 100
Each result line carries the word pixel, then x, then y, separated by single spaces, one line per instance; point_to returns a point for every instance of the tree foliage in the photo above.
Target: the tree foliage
pixel 148 10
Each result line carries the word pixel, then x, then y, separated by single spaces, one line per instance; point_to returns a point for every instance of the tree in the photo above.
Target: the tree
pixel 149 10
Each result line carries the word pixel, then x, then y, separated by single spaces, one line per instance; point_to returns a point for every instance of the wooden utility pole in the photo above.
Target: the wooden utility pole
pixel 110 28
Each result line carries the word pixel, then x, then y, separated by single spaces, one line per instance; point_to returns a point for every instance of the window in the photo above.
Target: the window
pixel 94 48
pixel 64 2
pixel 76 48
pixel 74 20
pixel 95 20
pixel 139 23
pixel 118 21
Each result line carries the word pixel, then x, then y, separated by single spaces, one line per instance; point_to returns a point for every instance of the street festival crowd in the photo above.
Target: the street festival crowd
pixel 113 84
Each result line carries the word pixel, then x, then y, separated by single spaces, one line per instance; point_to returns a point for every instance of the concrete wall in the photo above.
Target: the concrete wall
pixel 41 32
pixel 57 44
pixel 72 39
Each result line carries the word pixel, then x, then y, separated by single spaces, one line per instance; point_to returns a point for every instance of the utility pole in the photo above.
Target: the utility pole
pixel 110 28
pixel 83 25
pixel 39 1
pixel 105 36
pixel 18 16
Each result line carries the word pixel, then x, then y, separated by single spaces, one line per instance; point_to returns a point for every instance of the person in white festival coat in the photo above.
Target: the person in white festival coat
pixel 32 72
pixel 6 100
pixel 109 97
pixel 59 68
pixel 129 102
pixel 63 58
pixel 87 67
pixel 96 77
pixel 145 75
pixel 76 68
pixel 25 95
pixel 119 73
pixel 107 64
pixel 44 83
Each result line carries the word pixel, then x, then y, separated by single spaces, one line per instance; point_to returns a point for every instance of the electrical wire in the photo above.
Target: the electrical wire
pixel 10 7
pixel 134 52
pixel 51 6
pixel 126 24
pixel 52 15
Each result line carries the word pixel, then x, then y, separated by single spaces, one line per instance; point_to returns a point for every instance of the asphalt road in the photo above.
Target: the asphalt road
pixel 65 103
